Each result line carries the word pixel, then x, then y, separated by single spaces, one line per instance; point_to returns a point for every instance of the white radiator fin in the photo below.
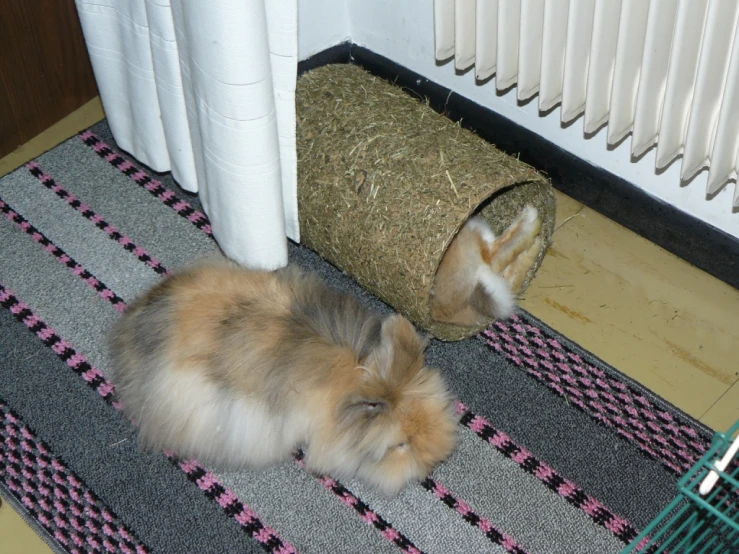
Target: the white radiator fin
pixel 486 37
pixel 554 35
pixel 664 71
pixel 529 49
pixel 509 23
pixel 464 33
pixel 627 69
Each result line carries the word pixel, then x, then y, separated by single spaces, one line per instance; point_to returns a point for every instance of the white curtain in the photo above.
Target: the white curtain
pixel 206 89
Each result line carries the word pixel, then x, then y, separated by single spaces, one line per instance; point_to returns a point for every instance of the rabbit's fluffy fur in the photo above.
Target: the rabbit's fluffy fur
pixel 481 274
pixel 238 368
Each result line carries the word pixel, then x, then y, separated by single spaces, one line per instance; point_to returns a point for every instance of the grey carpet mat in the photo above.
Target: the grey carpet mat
pixel 558 453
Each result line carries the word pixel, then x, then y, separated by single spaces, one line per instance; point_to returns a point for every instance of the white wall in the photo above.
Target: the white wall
pixel 402 30
pixel 321 24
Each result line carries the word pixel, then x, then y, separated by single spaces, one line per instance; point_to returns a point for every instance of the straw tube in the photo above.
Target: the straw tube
pixel 385 183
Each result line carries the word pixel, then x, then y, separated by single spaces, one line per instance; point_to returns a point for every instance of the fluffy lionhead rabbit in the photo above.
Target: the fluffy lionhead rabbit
pixel 238 368
pixel 480 274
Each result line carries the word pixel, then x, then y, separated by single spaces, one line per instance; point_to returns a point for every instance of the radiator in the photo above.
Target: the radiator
pixel 664 71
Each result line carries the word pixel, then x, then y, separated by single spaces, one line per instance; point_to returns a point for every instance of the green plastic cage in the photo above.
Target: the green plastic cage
pixel 704 518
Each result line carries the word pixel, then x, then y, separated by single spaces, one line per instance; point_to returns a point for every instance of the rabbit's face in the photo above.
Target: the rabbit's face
pixel 417 433
pixel 400 420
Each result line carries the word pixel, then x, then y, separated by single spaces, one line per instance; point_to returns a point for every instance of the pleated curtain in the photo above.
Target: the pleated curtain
pixel 206 89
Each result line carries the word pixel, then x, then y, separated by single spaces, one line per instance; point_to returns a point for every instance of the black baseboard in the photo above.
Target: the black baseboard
pixel 341 53
pixel 689 238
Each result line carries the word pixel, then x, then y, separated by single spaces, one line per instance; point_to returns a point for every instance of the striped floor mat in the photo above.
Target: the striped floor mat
pixel 558 452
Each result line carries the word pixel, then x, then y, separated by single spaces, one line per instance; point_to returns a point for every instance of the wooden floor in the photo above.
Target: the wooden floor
pixel 656 318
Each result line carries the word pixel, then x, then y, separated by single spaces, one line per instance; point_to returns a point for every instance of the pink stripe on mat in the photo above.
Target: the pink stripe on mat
pixel 143 179
pixel 349 499
pixel 462 508
pixel 92 376
pixel 62 257
pixel 568 490
pixel 230 504
pixel 53 495
pixel 88 213
pixel 95 379
pixel 613 403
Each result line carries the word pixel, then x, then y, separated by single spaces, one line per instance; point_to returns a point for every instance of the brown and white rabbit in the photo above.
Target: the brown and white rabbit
pixel 238 368
pixel 481 274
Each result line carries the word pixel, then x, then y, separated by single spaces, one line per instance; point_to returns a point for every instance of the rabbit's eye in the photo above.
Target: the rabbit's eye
pixel 401 446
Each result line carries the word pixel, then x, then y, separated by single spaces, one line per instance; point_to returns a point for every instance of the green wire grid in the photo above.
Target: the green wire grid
pixel 698 524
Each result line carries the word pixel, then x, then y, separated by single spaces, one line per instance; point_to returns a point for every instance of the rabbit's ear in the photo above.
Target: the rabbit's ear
pixel 403 346
pixel 400 334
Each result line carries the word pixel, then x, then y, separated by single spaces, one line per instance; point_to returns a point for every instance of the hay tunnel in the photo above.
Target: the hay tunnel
pixel 384 184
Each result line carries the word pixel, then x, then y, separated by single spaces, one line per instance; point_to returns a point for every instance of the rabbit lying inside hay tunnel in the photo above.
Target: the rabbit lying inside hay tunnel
pixel 408 203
